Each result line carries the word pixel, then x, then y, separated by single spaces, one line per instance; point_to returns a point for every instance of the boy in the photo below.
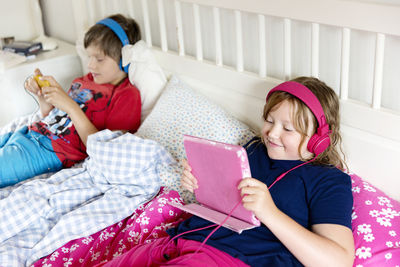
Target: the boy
pixel 102 99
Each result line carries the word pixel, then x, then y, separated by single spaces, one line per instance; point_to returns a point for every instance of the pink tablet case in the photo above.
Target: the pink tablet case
pixel 218 167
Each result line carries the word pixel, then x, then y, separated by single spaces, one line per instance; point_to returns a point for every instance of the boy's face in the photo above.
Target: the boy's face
pixel 103 68
pixel 280 137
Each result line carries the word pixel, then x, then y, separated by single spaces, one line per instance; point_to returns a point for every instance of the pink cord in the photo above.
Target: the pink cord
pixel 286 172
pixel 198 229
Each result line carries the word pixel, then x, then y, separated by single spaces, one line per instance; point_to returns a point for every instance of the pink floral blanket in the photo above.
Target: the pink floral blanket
pixel 147 223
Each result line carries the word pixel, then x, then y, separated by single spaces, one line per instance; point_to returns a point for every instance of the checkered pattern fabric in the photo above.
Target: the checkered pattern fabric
pixel 40 215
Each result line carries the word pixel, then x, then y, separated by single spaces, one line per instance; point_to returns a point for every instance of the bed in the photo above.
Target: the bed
pixel 221 58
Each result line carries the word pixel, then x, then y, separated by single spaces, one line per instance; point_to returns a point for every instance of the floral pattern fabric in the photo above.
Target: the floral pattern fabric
pixel 147 223
pixel 376 226
pixel 376 230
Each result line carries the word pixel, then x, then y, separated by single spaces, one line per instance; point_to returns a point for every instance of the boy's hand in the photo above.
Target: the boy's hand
pixel 40 81
pixel 32 85
pixel 188 181
pixel 56 96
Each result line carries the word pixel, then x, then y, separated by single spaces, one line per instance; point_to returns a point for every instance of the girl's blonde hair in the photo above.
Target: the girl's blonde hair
pixel 329 100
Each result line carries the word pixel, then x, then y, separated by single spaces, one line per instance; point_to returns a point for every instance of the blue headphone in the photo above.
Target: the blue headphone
pixel 117 29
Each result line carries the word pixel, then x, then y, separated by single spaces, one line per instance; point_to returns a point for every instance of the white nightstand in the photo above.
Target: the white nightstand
pixel 63 63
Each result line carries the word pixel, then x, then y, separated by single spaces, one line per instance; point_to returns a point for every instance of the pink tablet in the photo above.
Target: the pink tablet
pixel 219 167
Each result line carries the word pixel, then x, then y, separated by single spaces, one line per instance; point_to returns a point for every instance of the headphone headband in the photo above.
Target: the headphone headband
pixel 305 95
pixel 121 34
pixel 320 140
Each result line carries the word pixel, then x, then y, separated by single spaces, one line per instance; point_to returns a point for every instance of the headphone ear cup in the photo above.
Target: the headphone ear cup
pixel 318 144
pixel 124 69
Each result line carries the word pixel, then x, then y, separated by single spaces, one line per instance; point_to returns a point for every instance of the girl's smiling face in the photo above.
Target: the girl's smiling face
pixel 281 137
pixel 103 68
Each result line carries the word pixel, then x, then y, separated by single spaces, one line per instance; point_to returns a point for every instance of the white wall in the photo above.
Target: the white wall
pixel 18 20
pixel 58 19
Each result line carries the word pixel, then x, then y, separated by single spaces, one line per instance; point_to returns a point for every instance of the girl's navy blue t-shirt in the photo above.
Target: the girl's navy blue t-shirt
pixel 310 195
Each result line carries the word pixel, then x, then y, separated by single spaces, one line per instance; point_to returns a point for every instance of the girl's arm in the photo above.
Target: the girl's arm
pixel 325 245
pixel 57 97
pixel 32 86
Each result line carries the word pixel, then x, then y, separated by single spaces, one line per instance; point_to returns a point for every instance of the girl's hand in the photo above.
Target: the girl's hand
pixel 188 181
pixel 256 197
pixel 56 96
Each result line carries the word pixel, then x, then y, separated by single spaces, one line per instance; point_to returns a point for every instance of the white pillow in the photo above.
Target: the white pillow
pixel 145 73
pixel 180 110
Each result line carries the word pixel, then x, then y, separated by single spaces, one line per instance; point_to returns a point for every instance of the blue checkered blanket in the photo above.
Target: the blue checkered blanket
pixel 39 215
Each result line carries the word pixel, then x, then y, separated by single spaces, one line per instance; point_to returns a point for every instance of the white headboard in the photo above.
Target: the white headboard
pixel 234 51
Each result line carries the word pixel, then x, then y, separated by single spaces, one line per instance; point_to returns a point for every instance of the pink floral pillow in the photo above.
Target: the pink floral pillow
pixel 376 226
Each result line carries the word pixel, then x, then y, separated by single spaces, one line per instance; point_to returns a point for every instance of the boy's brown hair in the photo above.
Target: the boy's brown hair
pixel 105 38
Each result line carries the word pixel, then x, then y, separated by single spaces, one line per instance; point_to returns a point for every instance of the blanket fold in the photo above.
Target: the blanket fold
pixel 41 215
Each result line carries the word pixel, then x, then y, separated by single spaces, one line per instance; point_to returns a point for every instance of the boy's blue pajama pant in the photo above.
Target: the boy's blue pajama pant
pixel 25 154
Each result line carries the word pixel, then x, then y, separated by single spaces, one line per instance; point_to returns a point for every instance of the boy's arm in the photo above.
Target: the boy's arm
pixel 82 124
pixel 57 97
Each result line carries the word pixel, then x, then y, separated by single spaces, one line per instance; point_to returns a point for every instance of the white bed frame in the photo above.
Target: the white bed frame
pixel 364 69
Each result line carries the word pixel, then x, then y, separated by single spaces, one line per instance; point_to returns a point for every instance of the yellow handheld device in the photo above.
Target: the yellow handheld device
pixel 41 83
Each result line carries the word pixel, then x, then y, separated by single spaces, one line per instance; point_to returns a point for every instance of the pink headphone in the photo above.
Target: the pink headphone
pixel 320 140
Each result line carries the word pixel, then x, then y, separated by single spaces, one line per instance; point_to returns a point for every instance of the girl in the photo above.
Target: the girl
pixel 104 98
pixel 298 192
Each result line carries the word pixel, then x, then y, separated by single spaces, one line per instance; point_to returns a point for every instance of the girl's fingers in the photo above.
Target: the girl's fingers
pixel 249 182
pixel 186 165
pixel 190 181
pixel 190 177
pixel 187 187
pixel 247 191
pixel 247 198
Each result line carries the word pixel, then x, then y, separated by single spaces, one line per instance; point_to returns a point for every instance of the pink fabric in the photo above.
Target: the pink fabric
pixel 376 226
pixel 180 254
pixel 147 223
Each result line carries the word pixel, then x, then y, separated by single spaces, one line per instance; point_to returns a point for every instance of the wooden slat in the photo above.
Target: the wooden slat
pixel 179 28
pixel 197 31
pixel 91 14
pixel 262 47
pixel 378 71
pixel 344 79
pixel 239 41
pixel 103 8
pixel 315 50
pixel 131 8
pixel 146 19
pixel 217 34
pixel 161 20
pixel 287 49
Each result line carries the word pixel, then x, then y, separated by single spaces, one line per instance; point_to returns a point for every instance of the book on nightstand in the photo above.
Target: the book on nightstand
pixel 23 48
